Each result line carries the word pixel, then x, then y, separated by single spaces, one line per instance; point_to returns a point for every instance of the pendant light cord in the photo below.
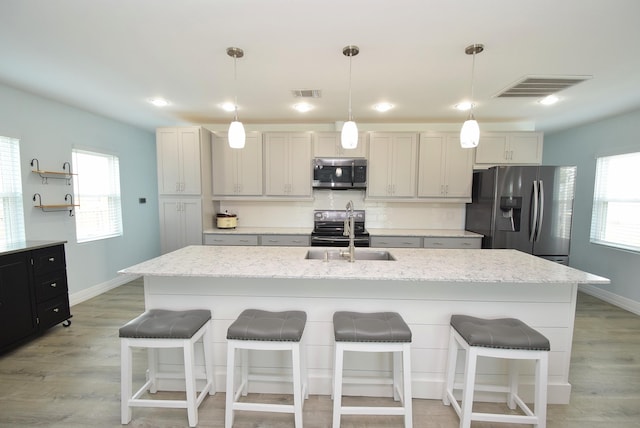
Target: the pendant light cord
pixel 473 72
pixel 235 87
pixel 350 57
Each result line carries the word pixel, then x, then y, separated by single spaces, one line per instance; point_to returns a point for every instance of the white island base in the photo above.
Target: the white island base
pixel 425 286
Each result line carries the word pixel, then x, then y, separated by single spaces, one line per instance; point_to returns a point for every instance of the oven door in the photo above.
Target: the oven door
pixel 338 241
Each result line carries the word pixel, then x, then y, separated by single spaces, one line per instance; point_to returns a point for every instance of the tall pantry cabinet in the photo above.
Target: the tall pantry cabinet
pixel 184 185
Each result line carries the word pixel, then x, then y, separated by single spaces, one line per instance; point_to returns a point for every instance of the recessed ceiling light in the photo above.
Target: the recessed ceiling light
pixel 159 102
pixel 549 100
pixel 382 107
pixel 303 107
pixel 464 106
pixel 228 107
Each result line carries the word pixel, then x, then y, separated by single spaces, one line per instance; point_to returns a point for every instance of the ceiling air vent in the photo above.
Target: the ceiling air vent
pixel 307 93
pixel 539 87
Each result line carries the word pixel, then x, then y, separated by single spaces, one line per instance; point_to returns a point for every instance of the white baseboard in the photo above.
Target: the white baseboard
pixel 609 297
pixel 98 289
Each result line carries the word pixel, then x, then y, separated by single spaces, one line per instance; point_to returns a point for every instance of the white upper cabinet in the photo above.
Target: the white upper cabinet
pixel 521 148
pixel 237 172
pixel 287 164
pixel 445 169
pixel 392 165
pixel 178 152
pixel 328 145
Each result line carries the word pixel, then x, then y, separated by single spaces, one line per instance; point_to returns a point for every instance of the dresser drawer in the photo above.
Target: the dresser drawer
pixel 48 259
pixel 50 285
pixel 53 311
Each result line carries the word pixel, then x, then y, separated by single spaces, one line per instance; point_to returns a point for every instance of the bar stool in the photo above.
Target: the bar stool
pixel 506 338
pixel 373 332
pixel 272 331
pixel 159 328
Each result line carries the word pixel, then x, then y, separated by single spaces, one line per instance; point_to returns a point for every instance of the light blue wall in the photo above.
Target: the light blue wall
pixel 580 146
pixel 48 131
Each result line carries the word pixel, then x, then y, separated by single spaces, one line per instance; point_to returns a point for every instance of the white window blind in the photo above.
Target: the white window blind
pixel 97 191
pixel 616 202
pixel 11 212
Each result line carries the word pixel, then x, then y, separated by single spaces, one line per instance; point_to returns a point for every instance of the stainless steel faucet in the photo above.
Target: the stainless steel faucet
pixel 349 230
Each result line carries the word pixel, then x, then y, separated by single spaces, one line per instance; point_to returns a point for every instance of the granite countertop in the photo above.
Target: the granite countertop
pixel 436 233
pixel 480 266
pixel 263 231
pixel 439 233
pixel 18 247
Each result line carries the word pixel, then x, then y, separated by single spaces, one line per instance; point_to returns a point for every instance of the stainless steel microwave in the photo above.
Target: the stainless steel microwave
pixel 339 173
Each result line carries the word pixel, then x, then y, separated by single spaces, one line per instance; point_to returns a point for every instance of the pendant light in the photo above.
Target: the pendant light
pixel 236 133
pixel 349 135
pixel 470 132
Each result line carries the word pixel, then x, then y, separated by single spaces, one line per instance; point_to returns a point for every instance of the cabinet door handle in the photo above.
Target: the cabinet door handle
pixel 53 285
pixel 52 259
pixel 56 310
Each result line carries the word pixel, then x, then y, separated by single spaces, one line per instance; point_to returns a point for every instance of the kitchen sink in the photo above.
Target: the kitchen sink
pixel 360 254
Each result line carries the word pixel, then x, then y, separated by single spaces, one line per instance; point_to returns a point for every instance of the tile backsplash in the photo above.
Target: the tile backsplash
pixel 391 215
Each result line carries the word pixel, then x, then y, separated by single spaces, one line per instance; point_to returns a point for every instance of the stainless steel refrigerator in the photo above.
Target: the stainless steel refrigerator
pixel 527 208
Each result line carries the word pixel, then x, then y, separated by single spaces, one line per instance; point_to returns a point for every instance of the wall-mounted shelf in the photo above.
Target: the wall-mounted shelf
pixel 65 174
pixel 68 206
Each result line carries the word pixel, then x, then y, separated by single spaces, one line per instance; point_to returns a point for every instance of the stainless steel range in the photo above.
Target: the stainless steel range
pixel 328 229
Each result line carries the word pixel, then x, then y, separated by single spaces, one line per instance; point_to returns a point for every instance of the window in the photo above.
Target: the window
pixel 11 213
pixel 616 202
pixel 97 191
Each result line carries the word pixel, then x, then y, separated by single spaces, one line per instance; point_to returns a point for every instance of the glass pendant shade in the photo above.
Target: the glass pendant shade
pixel 470 134
pixel 349 135
pixel 236 135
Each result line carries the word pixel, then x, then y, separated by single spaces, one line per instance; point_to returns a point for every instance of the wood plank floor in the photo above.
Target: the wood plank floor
pixel 70 377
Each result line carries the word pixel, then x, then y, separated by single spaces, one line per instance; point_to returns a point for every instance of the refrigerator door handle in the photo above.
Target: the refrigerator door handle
pixel 533 214
pixel 541 210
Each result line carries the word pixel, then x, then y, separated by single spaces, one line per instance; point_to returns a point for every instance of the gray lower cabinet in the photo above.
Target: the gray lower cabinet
pixel 33 294
pixel 396 241
pixel 228 239
pixel 452 242
pixel 285 240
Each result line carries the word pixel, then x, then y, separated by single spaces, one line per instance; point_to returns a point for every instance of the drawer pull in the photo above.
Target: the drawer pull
pixel 52 259
pixel 56 310
pixel 53 285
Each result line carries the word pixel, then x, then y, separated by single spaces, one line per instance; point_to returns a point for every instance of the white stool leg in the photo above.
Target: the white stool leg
pixel 514 374
pixel 126 362
pixel 452 359
pixel 467 392
pixel 190 382
pixel 230 391
pixel 297 384
pixel 540 404
pixel 406 383
pixel 207 348
pixel 337 384
pixel 244 368
pixel 152 369
pixel 397 371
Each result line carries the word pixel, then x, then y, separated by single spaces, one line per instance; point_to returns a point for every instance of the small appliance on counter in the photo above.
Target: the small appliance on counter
pixel 226 220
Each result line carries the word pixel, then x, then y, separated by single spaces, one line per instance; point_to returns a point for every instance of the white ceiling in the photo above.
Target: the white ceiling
pixel 109 57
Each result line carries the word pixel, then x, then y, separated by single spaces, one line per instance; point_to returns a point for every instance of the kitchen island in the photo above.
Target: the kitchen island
pixel 425 286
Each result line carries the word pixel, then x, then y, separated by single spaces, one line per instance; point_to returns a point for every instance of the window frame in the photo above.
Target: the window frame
pixel 11 192
pixel 109 219
pixel 603 198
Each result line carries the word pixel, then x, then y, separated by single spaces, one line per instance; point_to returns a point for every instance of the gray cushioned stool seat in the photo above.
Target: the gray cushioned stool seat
pixel 165 324
pixel 507 333
pixel 255 324
pixel 370 327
